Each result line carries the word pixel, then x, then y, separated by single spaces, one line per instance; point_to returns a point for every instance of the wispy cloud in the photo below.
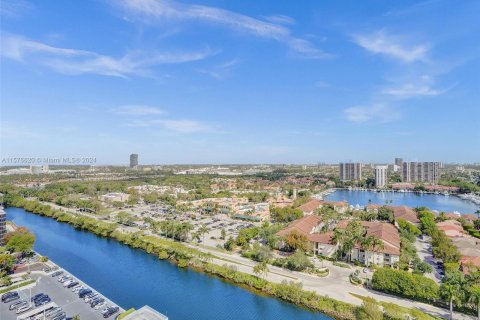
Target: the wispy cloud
pixel 392 46
pixel 75 61
pixel 377 112
pixel 138 110
pixel 221 70
pixel 14 8
pixel 409 90
pixel 144 116
pixel 174 125
pixel 280 18
pixel 159 11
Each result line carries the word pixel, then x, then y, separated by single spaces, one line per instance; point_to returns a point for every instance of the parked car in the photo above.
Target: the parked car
pixel 82 293
pixel 100 305
pixel 23 309
pixel 37 296
pixel 94 303
pixel 57 273
pixel 72 284
pixel 17 304
pixel 42 301
pixel 110 311
pixel 10 296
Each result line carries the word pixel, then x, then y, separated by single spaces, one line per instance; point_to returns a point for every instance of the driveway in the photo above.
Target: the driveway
pixel 422 245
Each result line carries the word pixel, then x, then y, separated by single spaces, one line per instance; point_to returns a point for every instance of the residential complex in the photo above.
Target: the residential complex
pixel 381 176
pixel 350 171
pixel 428 172
pixel 133 160
pixel 322 242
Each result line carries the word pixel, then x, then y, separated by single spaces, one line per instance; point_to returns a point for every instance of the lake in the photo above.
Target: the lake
pixel 433 201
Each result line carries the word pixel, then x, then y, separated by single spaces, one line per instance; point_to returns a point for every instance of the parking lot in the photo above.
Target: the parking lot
pixel 62 297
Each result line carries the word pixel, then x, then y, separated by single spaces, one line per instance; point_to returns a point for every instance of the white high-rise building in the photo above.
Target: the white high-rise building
pixel 381 176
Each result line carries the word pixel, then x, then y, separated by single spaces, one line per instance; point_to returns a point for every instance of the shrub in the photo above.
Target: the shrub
pixel 403 283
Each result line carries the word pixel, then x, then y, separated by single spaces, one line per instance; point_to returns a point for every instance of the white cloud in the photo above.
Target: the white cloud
pixel 220 71
pixel 410 90
pixel 73 61
pixel 280 18
pixel 159 11
pixel 389 45
pixel 138 110
pixel 377 112
pixel 178 126
pixel 186 126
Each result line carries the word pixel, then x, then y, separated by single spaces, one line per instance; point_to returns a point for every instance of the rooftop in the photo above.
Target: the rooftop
pixel 145 313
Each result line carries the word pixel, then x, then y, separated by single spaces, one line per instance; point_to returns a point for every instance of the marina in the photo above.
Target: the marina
pixel 439 202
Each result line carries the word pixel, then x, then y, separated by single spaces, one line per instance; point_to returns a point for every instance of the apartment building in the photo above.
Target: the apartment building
pixel 381 176
pixel 350 171
pixel 428 172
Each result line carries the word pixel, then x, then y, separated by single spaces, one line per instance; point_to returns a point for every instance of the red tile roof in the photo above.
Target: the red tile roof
pixel 303 225
pixel 310 205
pixel 405 213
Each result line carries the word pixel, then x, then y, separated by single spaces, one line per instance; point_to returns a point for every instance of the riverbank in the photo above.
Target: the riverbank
pixel 192 258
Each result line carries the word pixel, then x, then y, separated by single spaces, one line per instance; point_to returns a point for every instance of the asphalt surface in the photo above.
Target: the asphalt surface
pixel 62 297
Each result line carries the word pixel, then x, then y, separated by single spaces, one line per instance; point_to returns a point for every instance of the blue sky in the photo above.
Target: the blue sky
pixel 241 82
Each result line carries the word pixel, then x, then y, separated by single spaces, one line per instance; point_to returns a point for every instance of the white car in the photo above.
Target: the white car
pixel 101 304
pixel 24 308
pixel 77 288
pixel 66 283
pixel 88 299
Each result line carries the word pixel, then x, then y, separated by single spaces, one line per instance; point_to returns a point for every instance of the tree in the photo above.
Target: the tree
pixel 296 241
pixel 385 213
pixel 229 245
pixel 261 269
pixel 6 262
pixel 451 289
pixel 474 298
pixel 377 245
pixel 370 310
pixel 202 230
pixel 20 240
pixel 223 234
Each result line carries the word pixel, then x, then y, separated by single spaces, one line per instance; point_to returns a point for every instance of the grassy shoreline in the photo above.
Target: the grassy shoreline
pixel 194 259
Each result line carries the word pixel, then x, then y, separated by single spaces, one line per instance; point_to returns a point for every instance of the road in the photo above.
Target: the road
pixel 336 285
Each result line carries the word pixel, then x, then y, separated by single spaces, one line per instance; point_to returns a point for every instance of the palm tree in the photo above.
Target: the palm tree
pixel 474 298
pixel 202 230
pixel 261 269
pixel 450 292
pixel 377 245
pixel 366 244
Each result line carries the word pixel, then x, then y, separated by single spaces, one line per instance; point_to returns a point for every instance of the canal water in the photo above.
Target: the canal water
pixel 133 278
pixel 437 202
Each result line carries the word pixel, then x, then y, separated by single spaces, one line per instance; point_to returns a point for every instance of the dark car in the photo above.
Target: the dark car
pixel 57 273
pixel 8 295
pixel 11 297
pixel 73 284
pixel 82 293
pixel 42 301
pixel 95 302
pixel 110 311
pixel 38 296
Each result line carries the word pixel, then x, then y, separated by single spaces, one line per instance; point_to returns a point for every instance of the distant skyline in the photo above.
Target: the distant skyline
pixel 194 82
